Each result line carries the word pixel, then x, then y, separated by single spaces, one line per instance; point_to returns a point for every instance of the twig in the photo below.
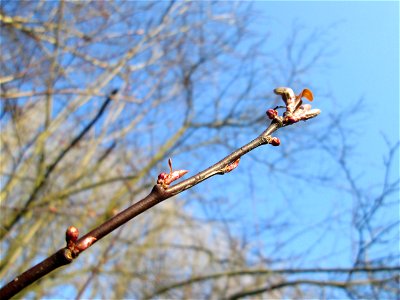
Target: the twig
pixel 161 191
pixel 53 165
pixel 334 284
pixel 259 272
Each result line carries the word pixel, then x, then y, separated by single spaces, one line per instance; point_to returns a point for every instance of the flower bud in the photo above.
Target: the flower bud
pixel 232 166
pixel 272 113
pixel 175 175
pixel 166 178
pixel 161 177
pixel 290 119
pixel 72 234
pixel 275 141
pixel 312 113
pixel 86 243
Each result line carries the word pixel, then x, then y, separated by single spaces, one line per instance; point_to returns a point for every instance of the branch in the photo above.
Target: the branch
pixel 52 166
pixel 335 284
pixel 161 191
pixel 268 272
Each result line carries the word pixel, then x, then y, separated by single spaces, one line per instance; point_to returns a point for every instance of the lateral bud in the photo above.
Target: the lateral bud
pixel 71 234
pixel 165 179
pixel 231 166
pixel 272 113
pixel 274 141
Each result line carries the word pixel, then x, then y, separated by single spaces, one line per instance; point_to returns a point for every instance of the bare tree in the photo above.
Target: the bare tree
pixel 192 83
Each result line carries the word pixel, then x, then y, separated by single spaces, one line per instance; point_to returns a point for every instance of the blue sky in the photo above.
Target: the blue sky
pixel 362 63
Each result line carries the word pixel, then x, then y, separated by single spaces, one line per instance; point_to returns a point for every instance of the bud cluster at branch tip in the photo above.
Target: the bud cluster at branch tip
pixel 165 179
pixel 295 109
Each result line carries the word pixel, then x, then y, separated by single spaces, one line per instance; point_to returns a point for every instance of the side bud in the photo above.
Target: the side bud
pixel 175 175
pixel 162 177
pixel 165 179
pixel 72 234
pixel 272 114
pixel 231 166
pixel 290 119
pixel 86 243
pixel 275 141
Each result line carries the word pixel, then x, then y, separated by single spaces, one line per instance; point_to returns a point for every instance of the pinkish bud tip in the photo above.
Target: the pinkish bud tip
pixel 165 179
pixel 272 113
pixel 162 177
pixel 72 234
pixel 86 243
pixel 232 166
pixel 175 175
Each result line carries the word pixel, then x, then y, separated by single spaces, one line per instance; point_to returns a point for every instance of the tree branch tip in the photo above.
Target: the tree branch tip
pixel 295 109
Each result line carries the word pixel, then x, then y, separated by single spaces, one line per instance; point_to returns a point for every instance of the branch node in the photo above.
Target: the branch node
pixel 165 179
pixel 231 166
pixel 274 141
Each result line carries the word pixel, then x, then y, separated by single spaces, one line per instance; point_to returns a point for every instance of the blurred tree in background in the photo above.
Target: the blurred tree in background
pixel 194 84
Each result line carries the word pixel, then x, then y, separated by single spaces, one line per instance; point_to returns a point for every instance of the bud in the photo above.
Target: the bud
pixel 272 113
pixel 290 119
pixel 72 234
pixel 86 243
pixel 286 93
pixel 161 177
pixel 232 166
pixel 175 175
pixel 291 100
pixel 165 179
pixel 275 141
pixel 288 97
pixel 312 113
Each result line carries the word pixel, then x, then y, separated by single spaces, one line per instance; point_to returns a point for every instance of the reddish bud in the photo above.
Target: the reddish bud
pixel 272 113
pixel 162 177
pixel 288 96
pixel 165 179
pixel 275 141
pixel 175 175
pixel 312 113
pixel 72 234
pixel 232 166
pixel 86 243
pixel 290 119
